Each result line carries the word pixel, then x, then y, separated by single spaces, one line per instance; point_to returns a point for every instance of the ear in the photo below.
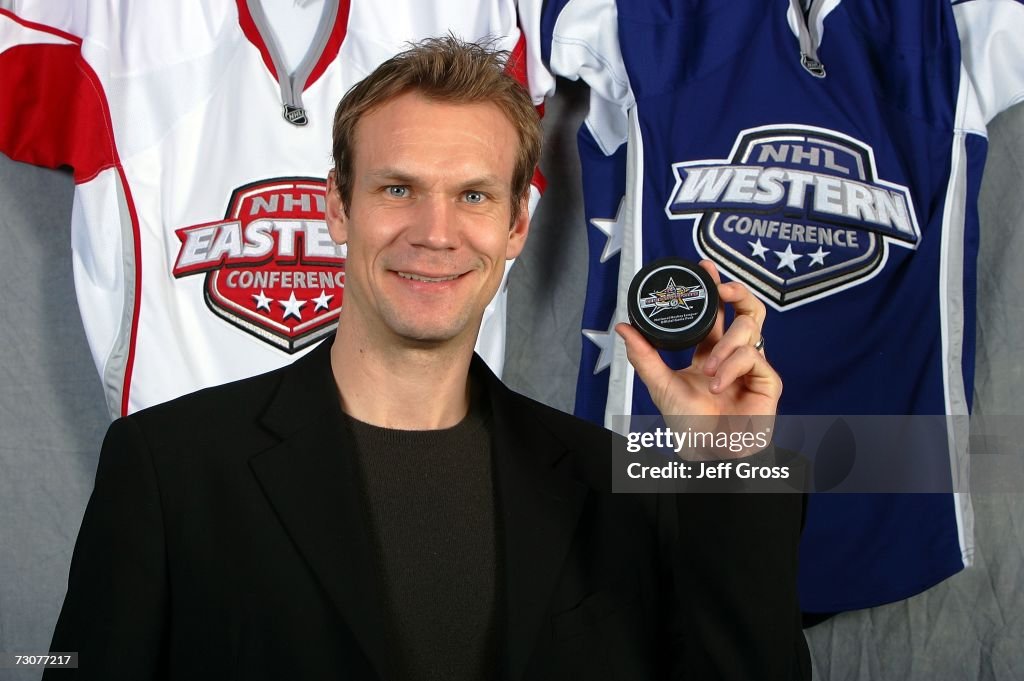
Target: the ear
pixel 337 219
pixel 519 229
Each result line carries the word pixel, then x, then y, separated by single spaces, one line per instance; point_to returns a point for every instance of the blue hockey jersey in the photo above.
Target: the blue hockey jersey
pixel 829 156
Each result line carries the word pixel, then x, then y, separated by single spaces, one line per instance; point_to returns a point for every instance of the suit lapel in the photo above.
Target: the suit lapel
pixel 540 507
pixel 310 480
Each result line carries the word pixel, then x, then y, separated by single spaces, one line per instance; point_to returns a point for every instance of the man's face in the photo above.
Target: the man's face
pixel 429 224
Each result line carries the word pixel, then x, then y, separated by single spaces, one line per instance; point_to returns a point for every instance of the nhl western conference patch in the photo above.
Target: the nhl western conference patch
pixel 796 212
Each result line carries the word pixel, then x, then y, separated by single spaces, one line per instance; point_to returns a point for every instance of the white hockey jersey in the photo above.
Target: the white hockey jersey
pixel 200 250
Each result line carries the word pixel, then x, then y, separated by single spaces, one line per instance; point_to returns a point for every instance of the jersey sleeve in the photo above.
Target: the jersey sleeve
pixel 524 66
pixel 992 49
pixel 538 79
pixel 580 41
pixel 56 114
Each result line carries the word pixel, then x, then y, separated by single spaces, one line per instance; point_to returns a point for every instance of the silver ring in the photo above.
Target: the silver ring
pixel 759 345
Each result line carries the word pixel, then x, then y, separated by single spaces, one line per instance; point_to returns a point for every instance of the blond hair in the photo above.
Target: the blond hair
pixel 450 70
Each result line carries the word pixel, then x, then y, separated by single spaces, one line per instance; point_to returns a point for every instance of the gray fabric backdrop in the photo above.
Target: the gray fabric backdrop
pixel 52 414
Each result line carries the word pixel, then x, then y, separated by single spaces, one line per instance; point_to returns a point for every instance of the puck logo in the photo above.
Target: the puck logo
pixel 271 267
pixel 669 305
pixel 796 212
pixel 673 303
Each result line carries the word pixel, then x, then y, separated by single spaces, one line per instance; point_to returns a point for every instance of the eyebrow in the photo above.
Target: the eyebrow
pixel 392 175
pixel 492 182
pixel 486 181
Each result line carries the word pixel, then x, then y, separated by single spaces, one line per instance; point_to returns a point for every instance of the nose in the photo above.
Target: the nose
pixel 434 224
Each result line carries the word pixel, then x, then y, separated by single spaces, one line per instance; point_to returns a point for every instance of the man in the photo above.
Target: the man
pixel 385 508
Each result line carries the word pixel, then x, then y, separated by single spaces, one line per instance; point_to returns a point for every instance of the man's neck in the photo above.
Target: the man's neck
pixel 406 388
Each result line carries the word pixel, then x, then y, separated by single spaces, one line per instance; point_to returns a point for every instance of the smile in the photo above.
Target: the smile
pixel 419 277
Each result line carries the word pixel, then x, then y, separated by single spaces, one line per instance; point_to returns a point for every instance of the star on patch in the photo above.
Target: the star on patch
pixel 605 340
pixel 758 249
pixel 818 257
pixel 613 229
pixel 323 302
pixel 292 307
pixel 262 301
pixel 787 258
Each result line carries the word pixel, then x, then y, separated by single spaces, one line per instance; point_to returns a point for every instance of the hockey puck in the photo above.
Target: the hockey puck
pixel 673 303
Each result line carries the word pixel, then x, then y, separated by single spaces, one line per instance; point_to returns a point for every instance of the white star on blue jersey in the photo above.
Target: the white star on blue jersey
pixel 613 229
pixel 787 258
pixel 292 307
pixel 759 249
pixel 605 340
pixel 818 257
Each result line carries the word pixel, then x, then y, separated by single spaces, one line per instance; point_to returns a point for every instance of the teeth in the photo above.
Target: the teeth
pixel 432 280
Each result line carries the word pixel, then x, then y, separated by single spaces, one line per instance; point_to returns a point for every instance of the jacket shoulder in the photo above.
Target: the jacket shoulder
pixel 244 397
pixel 235 414
pixel 576 432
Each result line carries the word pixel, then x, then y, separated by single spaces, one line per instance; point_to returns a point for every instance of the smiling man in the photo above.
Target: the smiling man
pixel 385 508
pixel 424 199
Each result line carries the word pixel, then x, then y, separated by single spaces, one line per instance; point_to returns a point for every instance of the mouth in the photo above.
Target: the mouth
pixel 411 276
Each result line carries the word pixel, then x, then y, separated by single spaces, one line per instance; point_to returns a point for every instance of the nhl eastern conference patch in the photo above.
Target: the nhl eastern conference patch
pixel 271 266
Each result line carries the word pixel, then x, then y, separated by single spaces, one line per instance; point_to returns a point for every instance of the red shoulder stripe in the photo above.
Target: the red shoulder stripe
pixel 40 27
pixel 333 45
pixel 253 35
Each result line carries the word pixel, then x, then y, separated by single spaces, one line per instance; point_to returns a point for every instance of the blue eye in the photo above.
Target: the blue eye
pixel 398 191
pixel 474 197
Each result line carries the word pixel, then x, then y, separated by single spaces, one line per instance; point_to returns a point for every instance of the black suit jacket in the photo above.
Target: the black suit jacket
pixel 224 540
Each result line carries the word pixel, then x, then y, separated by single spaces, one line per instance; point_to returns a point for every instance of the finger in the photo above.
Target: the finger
pixel 749 365
pixel 744 330
pixel 649 365
pixel 745 304
pixel 712 270
pixel 743 300
pixel 719 327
